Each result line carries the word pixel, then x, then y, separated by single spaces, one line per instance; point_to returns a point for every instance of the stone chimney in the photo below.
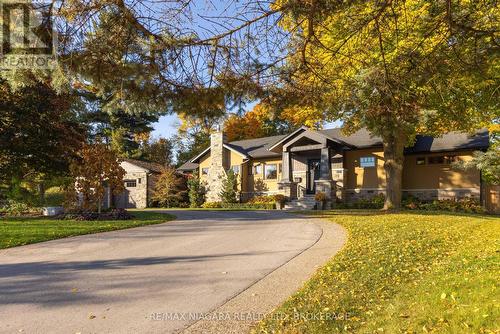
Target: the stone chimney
pixel 216 172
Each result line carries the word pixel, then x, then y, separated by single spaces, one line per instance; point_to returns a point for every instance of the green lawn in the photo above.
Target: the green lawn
pixel 16 231
pixel 402 273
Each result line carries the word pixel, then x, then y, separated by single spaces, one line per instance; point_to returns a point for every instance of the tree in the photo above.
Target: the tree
pixel 487 162
pixel 398 68
pixel 39 133
pixel 159 150
pixel 96 169
pixel 170 188
pixel 261 121
pixel 229 188
pixel 196 192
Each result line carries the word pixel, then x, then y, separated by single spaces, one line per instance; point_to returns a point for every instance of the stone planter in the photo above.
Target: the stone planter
pixel 53 210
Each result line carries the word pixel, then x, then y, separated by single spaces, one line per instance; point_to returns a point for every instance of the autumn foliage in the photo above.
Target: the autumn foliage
pixel 96 169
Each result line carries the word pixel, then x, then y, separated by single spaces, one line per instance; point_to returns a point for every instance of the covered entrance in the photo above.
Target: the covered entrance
pixel 313 174
pixel 307 163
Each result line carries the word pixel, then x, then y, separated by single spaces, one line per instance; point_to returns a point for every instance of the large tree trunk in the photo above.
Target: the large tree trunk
pixel 393 165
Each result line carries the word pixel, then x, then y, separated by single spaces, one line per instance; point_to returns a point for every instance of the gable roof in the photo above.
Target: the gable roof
pixel 150 166
pixel 260 147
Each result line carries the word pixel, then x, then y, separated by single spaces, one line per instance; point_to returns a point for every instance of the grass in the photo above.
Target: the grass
pixel 402 273
pixel 17 231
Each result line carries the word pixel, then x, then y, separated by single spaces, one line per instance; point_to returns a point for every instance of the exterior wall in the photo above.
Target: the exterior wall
pixel 230 158
pixel 427 182
pixel 363 182
pixel 440 181
pixel 134 197
pixel 492 199
pixel 256 184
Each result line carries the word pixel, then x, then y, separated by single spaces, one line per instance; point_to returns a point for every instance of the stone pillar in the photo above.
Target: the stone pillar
pixel 286 173
pixel 286 183
pixel 216 171
pixel 325 172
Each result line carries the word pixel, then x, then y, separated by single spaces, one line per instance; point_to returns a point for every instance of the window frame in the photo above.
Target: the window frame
pixel 131 183
pixel 236 166
pixel 256 172
pixel 275 171
pixel 363 160
pixel 417 159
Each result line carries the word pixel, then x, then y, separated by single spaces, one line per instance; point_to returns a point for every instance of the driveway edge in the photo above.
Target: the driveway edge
pixel 246 308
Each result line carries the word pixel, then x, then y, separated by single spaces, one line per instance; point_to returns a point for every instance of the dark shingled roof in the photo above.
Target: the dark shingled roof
pixel 188 166
pixel 259 147
pixel 450 142
pixel 150 166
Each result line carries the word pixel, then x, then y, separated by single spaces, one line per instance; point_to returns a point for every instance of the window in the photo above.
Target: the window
pixel 436 160
pixel 130 183
pixel 421 161
pixel 204 171
pixel 139 181
pixel 271 172
pixel 337 163
pixel 236 169
pixel 258 169
pixel 280 168
pixel 367 162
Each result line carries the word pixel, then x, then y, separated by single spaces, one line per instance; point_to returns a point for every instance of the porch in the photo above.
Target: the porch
pixel 311 163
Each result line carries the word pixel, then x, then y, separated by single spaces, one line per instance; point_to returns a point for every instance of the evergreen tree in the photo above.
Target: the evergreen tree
pixel 196 192
pixel 229 188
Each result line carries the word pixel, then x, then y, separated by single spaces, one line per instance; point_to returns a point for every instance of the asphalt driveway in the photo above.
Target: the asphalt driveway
pixel 157 278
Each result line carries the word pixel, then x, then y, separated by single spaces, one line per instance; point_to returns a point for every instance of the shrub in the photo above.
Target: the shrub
pixel 265 206
pixel 115 214
pixel 229 187
pixel 196 192
pixel 15 208
pixel 219 205
pixel 320 197
pixel 54 196
pixel 279 198
pixel 262 199
pixel 212 205
pixel 467 205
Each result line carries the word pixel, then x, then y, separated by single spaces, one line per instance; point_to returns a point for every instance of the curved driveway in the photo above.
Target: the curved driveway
pixel 116 282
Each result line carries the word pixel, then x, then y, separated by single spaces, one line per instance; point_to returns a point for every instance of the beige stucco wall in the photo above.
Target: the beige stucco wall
pixel 257 183
pixel 438 176
pixel 369 177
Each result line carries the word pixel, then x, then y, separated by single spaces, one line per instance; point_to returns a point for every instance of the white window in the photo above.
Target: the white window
pixel 235 169
pixel 271 172
pixel 258 169
pixel 367 162
pixel 130 183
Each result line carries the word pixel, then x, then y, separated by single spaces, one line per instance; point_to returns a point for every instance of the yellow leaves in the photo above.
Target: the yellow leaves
pixel 303 115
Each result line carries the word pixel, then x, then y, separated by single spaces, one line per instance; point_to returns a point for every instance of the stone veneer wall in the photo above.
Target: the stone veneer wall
pixel 137 196
pixel 216 171
pixel 423 194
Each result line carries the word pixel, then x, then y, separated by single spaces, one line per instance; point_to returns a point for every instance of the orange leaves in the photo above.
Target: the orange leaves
pixel 97 169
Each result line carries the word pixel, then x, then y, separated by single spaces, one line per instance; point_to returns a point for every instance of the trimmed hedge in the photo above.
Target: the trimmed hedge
pixel 220 205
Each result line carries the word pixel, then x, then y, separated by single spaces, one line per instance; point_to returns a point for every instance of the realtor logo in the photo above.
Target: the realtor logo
pixel 27 37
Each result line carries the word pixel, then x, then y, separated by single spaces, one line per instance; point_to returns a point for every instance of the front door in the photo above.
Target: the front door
pixel 312 175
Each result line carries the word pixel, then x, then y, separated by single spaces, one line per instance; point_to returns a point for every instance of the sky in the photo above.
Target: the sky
pixel 167 126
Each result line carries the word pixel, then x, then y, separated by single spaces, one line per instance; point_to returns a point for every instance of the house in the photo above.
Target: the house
pixel 139 182
pixel 347 168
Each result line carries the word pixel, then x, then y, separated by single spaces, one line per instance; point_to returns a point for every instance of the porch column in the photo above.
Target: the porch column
pixel 286 171
pixel 325 172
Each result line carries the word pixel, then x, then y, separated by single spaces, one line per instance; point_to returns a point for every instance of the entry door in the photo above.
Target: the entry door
pixel 312 175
